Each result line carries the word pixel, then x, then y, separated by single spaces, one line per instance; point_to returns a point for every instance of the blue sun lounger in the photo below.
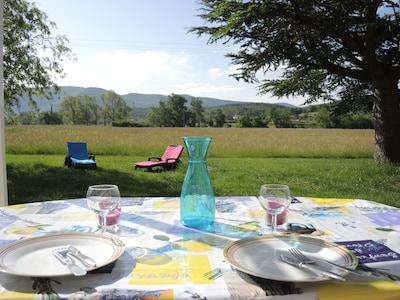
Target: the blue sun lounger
pixel 78 157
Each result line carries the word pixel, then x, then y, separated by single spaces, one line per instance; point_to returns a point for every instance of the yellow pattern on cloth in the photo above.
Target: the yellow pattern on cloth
pixel 16 295
pixel 181 270
pixel 366 290
pixel 76 217
pixel 166 205
pixel 17 206
pixel 255 213
pixel 331 201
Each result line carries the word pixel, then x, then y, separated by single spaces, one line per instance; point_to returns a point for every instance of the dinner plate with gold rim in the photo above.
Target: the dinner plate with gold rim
pixel 257 256
pixel 33 256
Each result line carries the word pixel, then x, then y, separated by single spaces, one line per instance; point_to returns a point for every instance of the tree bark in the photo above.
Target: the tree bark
pixel 387 121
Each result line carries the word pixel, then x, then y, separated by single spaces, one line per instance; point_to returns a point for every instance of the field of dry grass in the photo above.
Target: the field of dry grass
pixel 227 142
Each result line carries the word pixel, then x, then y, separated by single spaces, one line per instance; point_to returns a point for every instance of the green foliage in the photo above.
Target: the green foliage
pixel 127 124
pixel 197 112
pixel 114 107
pixel 50 118
pixel 335 50
pixel 71 110
pixel 90 110
pixel 358 120
pixel 244 122
pixel 256 115
pixel 280 117
pixel 219 118
pixel 31 54
pixel 27 118
pixel 157 116
pixel 177 110
pixel 84 109
pixel 174 113
pixel 319 57
pixel 241 109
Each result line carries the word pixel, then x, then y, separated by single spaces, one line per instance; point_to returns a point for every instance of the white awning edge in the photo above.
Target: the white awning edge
pixel 3 166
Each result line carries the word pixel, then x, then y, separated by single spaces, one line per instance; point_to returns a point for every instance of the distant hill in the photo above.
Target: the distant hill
pixel 138 101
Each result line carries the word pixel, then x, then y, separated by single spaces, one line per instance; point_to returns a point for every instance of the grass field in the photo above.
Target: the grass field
pixel 313 162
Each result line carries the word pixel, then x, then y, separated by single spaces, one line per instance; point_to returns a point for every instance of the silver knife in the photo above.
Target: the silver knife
pixel 357 272
pixel 62 256
pixel 84 259
pixel 313 269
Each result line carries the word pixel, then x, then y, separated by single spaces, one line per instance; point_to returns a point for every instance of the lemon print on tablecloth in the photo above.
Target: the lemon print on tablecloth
pixel 24 230
pixel 252 226
pixel 331 201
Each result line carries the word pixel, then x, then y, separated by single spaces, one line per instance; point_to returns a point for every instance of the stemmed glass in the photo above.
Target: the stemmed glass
pixel 274 198
pixel 103 199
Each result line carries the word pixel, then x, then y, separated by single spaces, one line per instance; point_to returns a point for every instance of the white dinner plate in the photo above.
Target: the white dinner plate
pixel 33 256
pixel 257 256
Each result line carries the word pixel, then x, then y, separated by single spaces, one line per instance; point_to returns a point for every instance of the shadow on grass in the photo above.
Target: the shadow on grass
pixel 41 182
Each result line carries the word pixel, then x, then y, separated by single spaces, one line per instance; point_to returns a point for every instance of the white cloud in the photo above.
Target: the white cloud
pixel 206 90
pixel 160 72
pixel 127 72
pixel 216 72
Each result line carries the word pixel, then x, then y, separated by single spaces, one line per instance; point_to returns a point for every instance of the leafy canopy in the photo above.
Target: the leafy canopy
pixel 174 113
pixel 32 55
pixel 329 49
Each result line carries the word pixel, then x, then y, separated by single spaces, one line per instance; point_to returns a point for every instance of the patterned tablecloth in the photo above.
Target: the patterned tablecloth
pixel 168 260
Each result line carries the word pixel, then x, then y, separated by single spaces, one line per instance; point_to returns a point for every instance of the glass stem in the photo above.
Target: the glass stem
pixel 273 223
pixel 103 223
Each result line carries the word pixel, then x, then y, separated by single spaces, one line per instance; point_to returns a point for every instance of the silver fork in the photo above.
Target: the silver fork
pixel 213 274
pixel 62 255
pixel 304 259
pixel 84 259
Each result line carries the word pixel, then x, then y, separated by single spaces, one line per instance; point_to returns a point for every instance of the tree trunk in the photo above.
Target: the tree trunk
pixel 387 121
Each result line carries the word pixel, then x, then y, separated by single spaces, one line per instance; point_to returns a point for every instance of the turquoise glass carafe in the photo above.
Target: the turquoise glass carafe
pixel 197 202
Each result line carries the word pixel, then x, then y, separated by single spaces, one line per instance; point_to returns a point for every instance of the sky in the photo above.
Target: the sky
pixel 143 46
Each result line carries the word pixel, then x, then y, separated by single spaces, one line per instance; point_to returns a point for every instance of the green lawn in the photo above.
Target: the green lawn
pixel 314 163
pixel 43 177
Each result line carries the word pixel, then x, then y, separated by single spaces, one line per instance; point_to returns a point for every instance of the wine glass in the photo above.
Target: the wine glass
pixel 275 199
pixel 103 199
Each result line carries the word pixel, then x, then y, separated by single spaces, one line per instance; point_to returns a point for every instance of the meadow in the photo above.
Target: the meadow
pixel 326 163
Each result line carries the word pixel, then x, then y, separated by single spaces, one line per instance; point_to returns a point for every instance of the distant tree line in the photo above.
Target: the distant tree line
pixel 80 110
pixel 111 109
pixel 85 110
pixel 173 112
pixel 258 115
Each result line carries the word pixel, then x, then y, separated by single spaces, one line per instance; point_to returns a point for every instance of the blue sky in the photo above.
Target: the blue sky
pixel 142 46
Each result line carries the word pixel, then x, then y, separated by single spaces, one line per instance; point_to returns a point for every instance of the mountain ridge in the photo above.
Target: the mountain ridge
pixel 136 100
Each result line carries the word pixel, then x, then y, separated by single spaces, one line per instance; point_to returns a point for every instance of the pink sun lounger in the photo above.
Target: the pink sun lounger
pixel 167 161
